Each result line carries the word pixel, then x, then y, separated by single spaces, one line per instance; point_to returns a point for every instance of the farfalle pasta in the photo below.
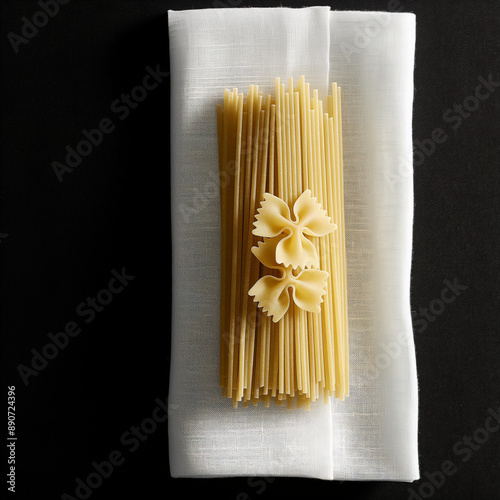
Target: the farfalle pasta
pixel 283 314
pixel 295 249
pixel 271 292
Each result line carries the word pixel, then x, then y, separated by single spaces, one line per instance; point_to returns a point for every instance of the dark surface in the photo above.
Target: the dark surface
pixel 112 212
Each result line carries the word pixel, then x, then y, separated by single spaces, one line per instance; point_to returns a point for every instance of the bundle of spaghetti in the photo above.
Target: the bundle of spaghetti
pixel 289 146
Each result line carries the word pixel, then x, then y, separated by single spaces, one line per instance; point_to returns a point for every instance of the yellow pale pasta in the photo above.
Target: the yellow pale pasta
pixel 295 249
pixel 284 335
pixel 272 293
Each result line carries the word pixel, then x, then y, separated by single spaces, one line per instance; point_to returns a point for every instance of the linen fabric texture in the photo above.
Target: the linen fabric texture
pixel 372 434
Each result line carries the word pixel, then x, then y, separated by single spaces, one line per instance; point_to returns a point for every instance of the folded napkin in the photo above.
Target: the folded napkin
pixel 372 435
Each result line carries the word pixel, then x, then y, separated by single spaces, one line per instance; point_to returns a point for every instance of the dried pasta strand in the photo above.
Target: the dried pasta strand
pixel 234 252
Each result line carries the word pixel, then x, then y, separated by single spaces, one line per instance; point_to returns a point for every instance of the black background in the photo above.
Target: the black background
pixel 60 241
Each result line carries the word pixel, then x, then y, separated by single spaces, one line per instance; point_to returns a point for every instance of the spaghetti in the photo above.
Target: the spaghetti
pixel 283 313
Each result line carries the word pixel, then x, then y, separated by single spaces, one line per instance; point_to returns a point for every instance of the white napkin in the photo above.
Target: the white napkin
pixel 373 433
